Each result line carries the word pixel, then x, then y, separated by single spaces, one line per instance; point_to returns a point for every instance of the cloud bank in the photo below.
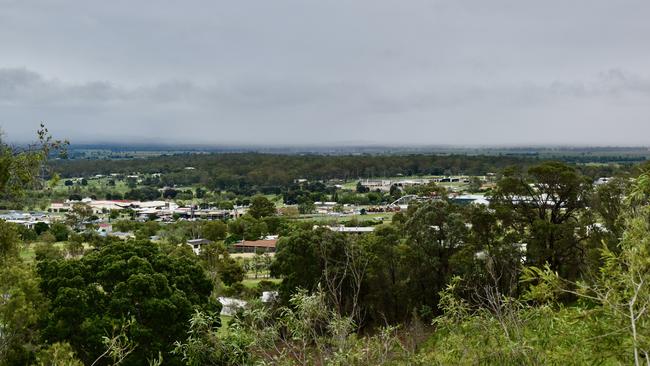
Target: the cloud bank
pixel 310 72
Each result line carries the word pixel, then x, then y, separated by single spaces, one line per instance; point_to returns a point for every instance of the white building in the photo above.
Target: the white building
pixel 349 230
pixel 230 306
pixel 196 244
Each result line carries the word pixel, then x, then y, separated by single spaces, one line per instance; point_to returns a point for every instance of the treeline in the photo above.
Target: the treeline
pixel 266 171
pixel 585 159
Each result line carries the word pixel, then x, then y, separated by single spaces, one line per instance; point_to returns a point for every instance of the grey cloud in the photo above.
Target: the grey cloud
pixel 610 82
pixel 614 82
pixel 306 71
pixel 25 87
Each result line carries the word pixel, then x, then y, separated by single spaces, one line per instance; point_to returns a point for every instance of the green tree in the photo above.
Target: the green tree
pixel 306 207
pixel 78 216
pixel 435 232
pixel 200 193
pixel 257 264
pixel 230 270
pixel 248 228
pixel 22 168
pixel 60 231
pixel 608 202
pixel 297 261
pixel 624 286
pixel 336 262
pixel 385 296
pixel 261 207
pixel 41 227
pixel 9 241
pixel 475 184
pixel 26 234
pixel 21 303
pixel 205 346
pixel 91 295
pixel 147 230
pixel 21 306
pixel 214 230
pixel 361 188
pixel 58 354
pixel 75 246
pixel 548 205
pixel 114 214
pixel 395 192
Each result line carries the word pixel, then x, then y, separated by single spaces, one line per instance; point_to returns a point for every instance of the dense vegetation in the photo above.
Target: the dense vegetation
pixel 269 173
pixel 136 283
pixel 555 271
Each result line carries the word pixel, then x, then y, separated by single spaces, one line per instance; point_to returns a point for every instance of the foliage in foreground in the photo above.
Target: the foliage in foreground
pixel 608 324
pixel 133 288
pixel 515 333
pixel 306 332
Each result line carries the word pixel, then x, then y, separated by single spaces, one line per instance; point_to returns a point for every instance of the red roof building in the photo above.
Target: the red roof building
pixel 253 246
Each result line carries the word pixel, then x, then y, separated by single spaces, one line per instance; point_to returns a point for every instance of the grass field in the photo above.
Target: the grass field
pixel 27 250
pixel 247 255
pixel 252 282
pixel 329 219
pixel 94 186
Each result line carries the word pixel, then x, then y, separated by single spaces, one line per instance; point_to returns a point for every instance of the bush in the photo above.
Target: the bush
pixel 58 354
pixel 47 237
pixel 60 231
pixel 41 227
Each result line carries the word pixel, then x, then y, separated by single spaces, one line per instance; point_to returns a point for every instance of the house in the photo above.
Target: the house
pixel 101 206
pixel 196 244
pixel 266 245
pixel 27 219
pixel 349 230
pixel 58 207
pixel 104 229
pixel 325 207
pixel 467 199
pixel 377 185
pixel 98 206
pixel 412 182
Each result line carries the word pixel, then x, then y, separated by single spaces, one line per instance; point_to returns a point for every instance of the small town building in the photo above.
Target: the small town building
pixel 104 228
pixel 467 199
pixel 349 230
pixel 256 246
pixel 197 243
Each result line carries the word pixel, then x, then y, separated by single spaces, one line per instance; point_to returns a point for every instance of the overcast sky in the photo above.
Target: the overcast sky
pixel 327 71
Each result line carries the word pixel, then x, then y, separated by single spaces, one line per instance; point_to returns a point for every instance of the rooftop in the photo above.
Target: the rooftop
pixel 257 243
